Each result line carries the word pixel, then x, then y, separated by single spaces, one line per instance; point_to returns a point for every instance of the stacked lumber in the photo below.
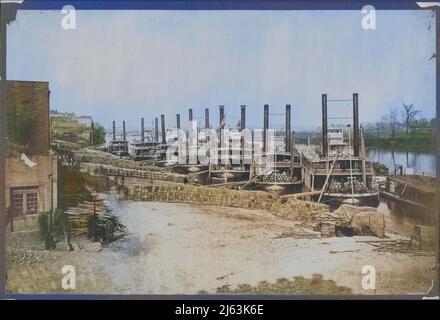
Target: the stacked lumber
pixel 79 217
pixel 332 217
pixel 94 219
pixel 399 246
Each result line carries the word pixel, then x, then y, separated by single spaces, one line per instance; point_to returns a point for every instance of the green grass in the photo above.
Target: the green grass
pixel 316 285
pixel 414 142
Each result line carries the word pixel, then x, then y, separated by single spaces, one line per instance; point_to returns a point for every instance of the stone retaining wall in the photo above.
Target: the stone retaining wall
pixel 291 208
pixel 94 156
pixel 142 174
pixel 110 171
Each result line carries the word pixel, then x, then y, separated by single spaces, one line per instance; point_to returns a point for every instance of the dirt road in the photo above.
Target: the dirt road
pixel 187 249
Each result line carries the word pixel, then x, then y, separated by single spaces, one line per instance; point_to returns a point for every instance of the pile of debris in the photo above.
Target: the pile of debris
pixel 389 245
pixel 349 220
pixel 95 219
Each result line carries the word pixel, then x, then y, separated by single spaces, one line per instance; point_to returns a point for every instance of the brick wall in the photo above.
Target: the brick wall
pixel 29 133
pixel 28 101
pixel 289 208
pixel 19 175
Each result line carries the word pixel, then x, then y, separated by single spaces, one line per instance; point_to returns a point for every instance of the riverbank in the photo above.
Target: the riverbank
pixel 190 249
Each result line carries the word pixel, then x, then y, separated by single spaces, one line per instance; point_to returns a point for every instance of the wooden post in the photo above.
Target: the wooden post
pixel 3 27
pixel 288 129
pixel 437 24
pixel 364 176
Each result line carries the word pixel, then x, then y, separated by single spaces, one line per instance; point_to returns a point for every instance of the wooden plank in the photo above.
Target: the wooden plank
pixel 302 194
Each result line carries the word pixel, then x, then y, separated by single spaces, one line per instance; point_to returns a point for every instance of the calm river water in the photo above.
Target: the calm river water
pixel 412 162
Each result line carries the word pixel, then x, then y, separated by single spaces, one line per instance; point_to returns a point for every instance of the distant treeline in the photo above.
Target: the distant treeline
pixel 302 137
pixel 421 141
pixel 402 129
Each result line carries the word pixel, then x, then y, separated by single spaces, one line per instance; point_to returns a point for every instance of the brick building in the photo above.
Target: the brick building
pixel 31 167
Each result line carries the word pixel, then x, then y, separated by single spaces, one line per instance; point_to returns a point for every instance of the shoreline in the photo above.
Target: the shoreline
pixel 425 151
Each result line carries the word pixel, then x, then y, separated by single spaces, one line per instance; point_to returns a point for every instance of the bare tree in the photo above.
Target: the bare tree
pixel 391 118
pixel 408 116
pixel 378 128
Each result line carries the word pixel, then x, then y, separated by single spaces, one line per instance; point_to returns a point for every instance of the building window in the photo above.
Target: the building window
pixel 17 203
pixel 24 201
pixel 31 203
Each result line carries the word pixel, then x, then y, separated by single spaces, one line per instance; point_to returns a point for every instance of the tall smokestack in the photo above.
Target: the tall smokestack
pixel 356 140
pixel 124 134
pixel 242 127
pixel 222 122
pixel 92 134
pixel 114 130
pixel 142 130
pixel 178 121
pixel 189 142
pixel 265 126
pixel 156 129
pixel 324 126
pixel 162 122
pixel 242 117
pixel 288 129
pixel 206 118
pixel 222 116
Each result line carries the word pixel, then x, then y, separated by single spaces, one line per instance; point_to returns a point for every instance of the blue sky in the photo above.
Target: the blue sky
pixel 132 64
